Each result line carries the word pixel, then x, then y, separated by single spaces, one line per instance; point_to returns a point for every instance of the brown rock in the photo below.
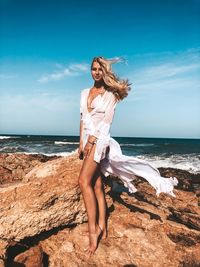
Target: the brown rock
pixel 183 208
pixel 3 250
pixel 187 181
pixel 13 167
pixel 47 197
pixel 143 230
pixel 30 258
pixel 2 263
pixel 133 240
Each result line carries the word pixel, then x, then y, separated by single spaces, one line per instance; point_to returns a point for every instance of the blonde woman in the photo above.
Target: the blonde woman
pixel 102 154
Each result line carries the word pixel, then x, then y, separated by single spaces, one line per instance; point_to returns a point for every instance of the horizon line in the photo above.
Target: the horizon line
pixel 112 136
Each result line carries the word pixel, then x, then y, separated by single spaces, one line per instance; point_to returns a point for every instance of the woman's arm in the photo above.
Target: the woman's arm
pixel 80 150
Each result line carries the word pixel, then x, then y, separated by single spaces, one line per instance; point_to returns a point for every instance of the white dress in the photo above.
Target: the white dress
pixel 113 162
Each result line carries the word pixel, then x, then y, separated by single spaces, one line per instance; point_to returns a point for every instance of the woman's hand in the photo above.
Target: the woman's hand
pixel 80 150
pixel 87 149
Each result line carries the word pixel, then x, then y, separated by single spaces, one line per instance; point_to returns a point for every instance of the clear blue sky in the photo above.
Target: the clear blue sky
pixel 45 53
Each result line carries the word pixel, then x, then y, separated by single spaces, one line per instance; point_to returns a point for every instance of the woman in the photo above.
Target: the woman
pixel 102 154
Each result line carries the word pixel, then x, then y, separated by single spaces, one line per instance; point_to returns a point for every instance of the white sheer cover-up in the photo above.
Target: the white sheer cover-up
pixel 113 162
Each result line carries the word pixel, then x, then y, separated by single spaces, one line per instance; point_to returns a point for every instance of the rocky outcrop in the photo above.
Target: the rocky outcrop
pixel 187 181
pixel 136 237
pixel 47 197
pixel 13 167
pixel 42 219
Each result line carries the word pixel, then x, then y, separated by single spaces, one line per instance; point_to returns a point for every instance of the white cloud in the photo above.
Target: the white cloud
pixel 79 67
pixel 75 69
pixel 170 72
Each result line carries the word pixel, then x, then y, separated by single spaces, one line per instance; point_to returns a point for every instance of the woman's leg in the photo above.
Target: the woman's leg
pixel 87 172
pixel 100 195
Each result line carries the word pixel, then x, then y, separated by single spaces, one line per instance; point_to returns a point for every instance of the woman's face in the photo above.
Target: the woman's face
pixel 96 71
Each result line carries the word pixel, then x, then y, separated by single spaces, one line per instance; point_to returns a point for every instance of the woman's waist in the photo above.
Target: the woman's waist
pixel 88 123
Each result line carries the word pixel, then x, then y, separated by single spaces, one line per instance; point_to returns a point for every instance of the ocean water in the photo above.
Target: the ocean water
pixel 162 152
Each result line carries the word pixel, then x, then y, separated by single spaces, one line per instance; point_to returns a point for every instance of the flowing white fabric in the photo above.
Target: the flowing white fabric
pixel 113 162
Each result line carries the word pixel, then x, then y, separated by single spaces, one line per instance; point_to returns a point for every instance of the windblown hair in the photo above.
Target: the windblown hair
pixel 117 86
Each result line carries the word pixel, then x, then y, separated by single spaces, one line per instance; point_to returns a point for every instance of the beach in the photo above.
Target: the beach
pixel 129 70
pixel 43 218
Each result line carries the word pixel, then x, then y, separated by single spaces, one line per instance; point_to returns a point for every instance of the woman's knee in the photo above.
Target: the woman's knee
pixel 83 182
pixel 98 187
pixel 87 173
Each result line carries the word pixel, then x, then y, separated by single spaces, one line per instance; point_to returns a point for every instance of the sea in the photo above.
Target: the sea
pixel 162 152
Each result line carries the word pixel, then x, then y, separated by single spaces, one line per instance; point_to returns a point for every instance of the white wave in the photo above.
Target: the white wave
pixel 190 162
pixel 143 145
pixel 8 137
pixel 62 154
pixel 65 143
pixel 11 149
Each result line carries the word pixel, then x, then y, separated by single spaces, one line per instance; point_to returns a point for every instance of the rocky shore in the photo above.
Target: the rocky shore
pixel 43 219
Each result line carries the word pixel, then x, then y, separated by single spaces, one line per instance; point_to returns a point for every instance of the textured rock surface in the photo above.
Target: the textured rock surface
pixel 47 197
pixel 3 251
pixel 44 211
pixel 30 258
pixel 187 181
pixel 13 167
pixel 136 238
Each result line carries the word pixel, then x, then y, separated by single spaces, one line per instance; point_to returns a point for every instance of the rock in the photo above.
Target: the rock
pixel 187 181
pixel 134 239
pixel 13 167
pixel 3 251
pixel 42 201
pixel 183 208
pixel 44 211
pixel 2 263
pixel 30 258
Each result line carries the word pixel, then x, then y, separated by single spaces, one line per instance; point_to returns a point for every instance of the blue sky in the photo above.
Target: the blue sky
pixel 47 46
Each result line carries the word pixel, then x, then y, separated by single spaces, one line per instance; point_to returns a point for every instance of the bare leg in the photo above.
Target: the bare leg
pixel 100 195
pixel 87 172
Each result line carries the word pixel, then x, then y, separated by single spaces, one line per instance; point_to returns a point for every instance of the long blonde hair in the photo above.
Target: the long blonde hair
pixel 117 86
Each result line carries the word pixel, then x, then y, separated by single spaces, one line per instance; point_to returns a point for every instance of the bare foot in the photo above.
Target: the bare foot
pixel 94 239
pixel 103 235
pixel 104 232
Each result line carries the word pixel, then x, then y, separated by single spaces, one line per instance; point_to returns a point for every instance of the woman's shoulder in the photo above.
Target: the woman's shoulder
pixel 84 91
pixel 111 96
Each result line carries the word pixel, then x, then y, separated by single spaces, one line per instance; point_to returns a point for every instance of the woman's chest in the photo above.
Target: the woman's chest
pixel 95 102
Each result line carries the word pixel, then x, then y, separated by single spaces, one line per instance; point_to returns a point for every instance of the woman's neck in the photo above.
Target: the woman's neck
pixel 98 84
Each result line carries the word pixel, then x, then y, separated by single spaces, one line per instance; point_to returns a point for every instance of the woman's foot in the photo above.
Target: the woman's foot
pixel 104 232
pixel 94 239
pixel 103 235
